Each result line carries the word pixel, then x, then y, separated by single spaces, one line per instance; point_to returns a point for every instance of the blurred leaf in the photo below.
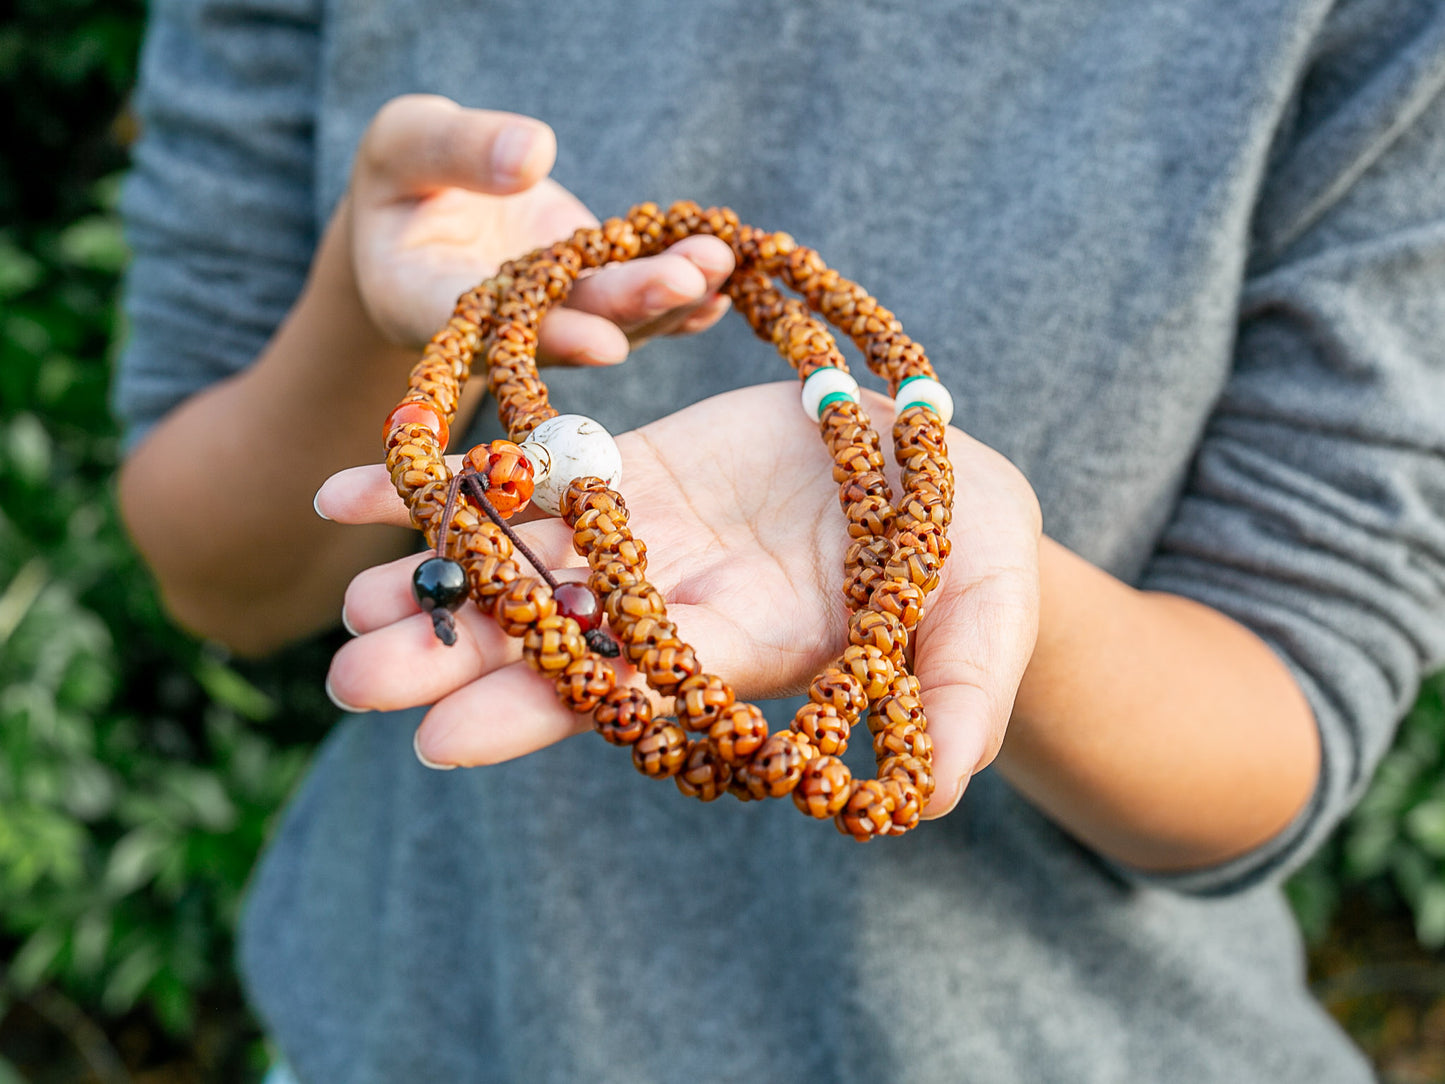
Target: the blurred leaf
pixel 1426 825
pixel 9 1074
pixel 95 243
pixel 32 963
pixel 19 271
pixel 1430 916
pixel 226 686
pixel 129 977
pixel 136 858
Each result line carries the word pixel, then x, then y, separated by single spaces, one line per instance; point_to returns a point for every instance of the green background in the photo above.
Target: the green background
pixel 140 770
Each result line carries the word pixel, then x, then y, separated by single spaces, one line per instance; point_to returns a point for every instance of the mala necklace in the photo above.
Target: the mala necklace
pixel 569 466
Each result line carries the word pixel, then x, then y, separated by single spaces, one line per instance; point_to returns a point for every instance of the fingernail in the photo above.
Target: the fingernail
pixel 346 622
pixel 340 703
pixel 953 804
pixel 316 506
pixel 510 151
pixel 433 765
pixel 713 258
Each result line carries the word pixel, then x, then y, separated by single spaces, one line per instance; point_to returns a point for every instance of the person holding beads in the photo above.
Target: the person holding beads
pixel 1181 269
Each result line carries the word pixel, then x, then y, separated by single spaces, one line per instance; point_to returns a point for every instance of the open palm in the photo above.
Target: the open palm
pixel 735 500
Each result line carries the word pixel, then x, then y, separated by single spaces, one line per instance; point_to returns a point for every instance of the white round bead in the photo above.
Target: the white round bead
pixel 569 446
pixel 823 383
pixel 929 392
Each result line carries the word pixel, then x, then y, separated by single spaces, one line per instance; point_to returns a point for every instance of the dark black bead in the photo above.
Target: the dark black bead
pixel 439 582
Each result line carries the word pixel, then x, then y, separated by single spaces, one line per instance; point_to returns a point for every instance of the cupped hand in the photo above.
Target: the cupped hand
pixel 440 196
pixel 735 500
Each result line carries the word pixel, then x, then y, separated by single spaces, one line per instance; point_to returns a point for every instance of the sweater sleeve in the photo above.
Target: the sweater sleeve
pixel 218 205
pixel 1315 512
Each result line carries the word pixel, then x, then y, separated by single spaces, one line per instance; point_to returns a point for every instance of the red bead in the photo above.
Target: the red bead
pixel 415 412
pixel 508 473
pixel 580 603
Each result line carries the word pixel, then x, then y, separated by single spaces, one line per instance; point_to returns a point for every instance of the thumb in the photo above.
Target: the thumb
pixel 418 143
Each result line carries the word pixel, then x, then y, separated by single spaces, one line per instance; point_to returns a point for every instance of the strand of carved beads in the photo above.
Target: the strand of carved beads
pixel 567 465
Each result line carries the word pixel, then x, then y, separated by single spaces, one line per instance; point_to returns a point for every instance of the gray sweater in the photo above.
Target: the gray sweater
pixel 1183 261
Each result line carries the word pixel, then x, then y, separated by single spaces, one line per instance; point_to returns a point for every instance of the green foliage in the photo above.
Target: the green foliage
pixel 139 770
pixel 136 790
pixel 1393 844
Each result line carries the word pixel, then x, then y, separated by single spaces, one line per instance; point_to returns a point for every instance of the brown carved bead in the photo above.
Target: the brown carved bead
pixel 623 715
pixel 907 805
pixel 928 537
pixel 823 727
pixel 870 516
pixel 776 767
pixel 851 459
pixel 874 628
pixel 824 787
pixel 613 576
pixel 738 733
pixel 908 740
pixel 842 414
pixel 593 526
pixel 525 602
pixel 858 486
pixel 896 709
pixel 869 811
pixel 584 683
pixel 914 769
pixel 645 634
pixel 489 577
pixel 869 552
pixel 661 750
pixel 552 643
pixel 703 775
pixel 915 510
pixel 905 684
pixel 630 604
pixel 870 666
pixel 701 700
pixel 840 689
pixel 916 565
pixel 904 601
pixel 668 665
pixel 619 546
pixel 486 539
pixel 860 583
pixel 576 500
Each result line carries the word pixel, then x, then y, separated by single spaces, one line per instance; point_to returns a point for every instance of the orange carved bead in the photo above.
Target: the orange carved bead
pixel 623 715
pixel 824 787
pixel 703 775
pixel 418 412
pixel 738 733
pixel 869 811
pixel 507 472
pixel 701 700
pixel 824 727
pixel 661 751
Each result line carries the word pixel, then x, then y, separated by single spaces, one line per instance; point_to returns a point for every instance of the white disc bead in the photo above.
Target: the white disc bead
pixel 565 448
pixel 929 392
pixel 823 383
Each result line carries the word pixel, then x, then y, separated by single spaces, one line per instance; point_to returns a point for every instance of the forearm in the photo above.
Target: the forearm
pixel 1153 728
pixel 218 497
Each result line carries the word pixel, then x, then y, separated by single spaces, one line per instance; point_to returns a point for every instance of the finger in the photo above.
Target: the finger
pixel 634 294
pixel 365 495
pixel 404 664
pixel 419 143
pixel 506 714
pixel 969 696
pixel 702 317
pixel 381 595
pixel 570 336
